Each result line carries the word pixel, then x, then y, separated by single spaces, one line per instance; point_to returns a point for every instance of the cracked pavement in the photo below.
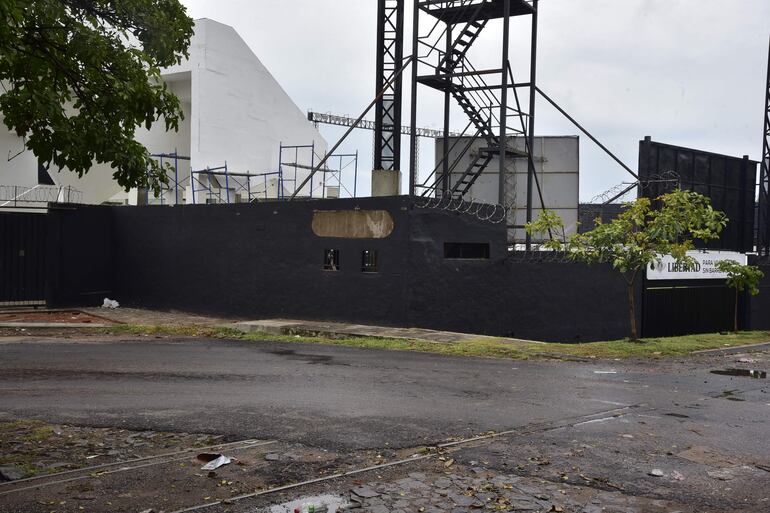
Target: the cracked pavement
pixel 656 435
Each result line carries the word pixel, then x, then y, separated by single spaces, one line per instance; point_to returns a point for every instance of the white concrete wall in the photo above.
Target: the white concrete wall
pixel 240 113
pixel 235 112
pixel 21 169
pixel 557 164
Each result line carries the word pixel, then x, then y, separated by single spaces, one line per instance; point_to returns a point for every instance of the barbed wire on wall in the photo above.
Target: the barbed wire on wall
pixel 488 212
pixel 619 194
pixel 598 207
pixel 538 253
pixel 20 195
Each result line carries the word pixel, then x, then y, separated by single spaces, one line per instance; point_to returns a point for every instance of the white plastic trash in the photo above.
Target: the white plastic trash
pixel 221 461
pixel 110 303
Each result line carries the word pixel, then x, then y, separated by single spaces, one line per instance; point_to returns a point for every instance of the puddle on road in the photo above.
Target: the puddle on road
pixel 319 503
pixel 742 373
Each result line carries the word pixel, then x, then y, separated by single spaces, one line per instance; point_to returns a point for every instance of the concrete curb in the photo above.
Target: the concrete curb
pixel 735 349
pixel 56 325
pixel 340 330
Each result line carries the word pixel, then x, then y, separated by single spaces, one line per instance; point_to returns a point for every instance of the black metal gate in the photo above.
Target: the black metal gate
pixel 22 259
pixel 672 309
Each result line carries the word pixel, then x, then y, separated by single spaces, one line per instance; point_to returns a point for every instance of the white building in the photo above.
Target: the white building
pixel 236 113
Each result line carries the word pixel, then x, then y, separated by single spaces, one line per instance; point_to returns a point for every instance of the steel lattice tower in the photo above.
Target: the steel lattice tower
pixel 763 242
pixel 390 54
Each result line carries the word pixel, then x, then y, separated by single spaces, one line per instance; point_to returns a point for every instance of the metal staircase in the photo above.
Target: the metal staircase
pixel 483 103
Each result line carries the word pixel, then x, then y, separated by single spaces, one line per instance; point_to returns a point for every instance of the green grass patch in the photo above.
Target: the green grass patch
pixel 489 347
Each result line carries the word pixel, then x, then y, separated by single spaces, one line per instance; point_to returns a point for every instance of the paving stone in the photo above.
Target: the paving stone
pixel 464 500
pixel 11 473
pixel 365 492
pixel 442 482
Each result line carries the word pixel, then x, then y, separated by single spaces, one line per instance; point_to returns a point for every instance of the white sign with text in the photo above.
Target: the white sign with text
pixel 704 267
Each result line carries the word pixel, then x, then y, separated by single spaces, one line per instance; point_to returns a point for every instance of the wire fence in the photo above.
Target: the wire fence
pixel 21 195
pixel 627 191
pixel 492 213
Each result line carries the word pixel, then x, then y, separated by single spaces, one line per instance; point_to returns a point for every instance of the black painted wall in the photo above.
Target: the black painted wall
pixel 264 261
pixel 256 261
pixel 730 182
pixel 759 306
pixel 22 257
pixel 509 294
pixel 589 212
pixel 79 255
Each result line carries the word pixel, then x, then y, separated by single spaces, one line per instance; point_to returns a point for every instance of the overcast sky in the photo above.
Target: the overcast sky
pixel 686 72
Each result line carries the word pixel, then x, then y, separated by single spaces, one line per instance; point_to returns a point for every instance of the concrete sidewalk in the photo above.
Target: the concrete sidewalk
pixel 338 329
pixel 142 317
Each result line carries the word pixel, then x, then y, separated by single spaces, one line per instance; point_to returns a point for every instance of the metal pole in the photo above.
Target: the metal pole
pixel 504 103
pixel 355 176
pixel 280 169
pixel 447 99
pixel 531 136
pixel 413 100
pixel 764 177
pixel 227 184
pixel 312 165
pixel 586 132
pixel 161 187
pixel 176 177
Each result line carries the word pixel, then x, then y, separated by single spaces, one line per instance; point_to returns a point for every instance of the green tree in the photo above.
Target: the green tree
pixel 79 76
pixel 639 236
pixel 740 277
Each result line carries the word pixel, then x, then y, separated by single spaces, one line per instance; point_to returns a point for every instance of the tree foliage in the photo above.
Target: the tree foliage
pixel 79 76
pixel 643 232
pixel 740 277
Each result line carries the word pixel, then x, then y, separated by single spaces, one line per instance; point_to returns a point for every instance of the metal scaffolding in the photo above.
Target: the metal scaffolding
pixel 290 162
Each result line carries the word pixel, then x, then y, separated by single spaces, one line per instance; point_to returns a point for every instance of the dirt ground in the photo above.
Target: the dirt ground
pixel 57 316
pixel 64 468
pixel 71 469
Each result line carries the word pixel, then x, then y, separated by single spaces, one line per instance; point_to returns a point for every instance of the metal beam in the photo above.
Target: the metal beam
pixel 531 176
pixel 390 53
pixel 334 119
pixel 763 242
pixel 590 136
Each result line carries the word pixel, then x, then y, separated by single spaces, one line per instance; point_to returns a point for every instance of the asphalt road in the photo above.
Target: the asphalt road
pixel 352 398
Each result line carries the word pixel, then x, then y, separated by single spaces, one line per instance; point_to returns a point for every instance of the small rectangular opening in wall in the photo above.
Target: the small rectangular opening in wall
pixel 467 250
pixel 369 261
pixel 331 259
